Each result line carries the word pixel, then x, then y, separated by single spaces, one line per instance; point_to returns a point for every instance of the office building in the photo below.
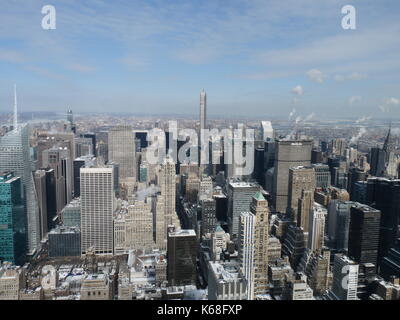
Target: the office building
pixel 64 242
pixel 13 221
pixel 97 209
pixel 121 149
pixel 182 254
pixel 289 153
pixel 364 234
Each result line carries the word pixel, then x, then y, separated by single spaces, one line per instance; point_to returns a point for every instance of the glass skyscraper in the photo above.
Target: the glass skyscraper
pixel 15 157
pixel 13 237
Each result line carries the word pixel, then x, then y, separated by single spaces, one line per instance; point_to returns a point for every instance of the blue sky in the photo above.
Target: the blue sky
pixel 153 56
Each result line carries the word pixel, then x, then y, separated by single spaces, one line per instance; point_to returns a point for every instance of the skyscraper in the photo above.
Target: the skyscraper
pixel 288 153
pixel 203 109
pixel 364 234
pixel 300 179
pixel 121 149
pixel 97 209
pixel 13 229
pixel 259 207
pixel 182 254
pixel 246 250
pixel 317 228
pixel 240 195
pixel 15 157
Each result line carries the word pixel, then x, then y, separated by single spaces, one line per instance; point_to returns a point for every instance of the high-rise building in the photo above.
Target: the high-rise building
pixel 208 216
pixel 240 195
pixel 298 289
pixel 246 250
pixel 288 153
pixel 317 228
pixel 15 157
pixel 97 209
pixel 13 228
pixel 259 208
pixel 203 110
pixel 300 179
pixel 41 190
pixel 181 254
pixel 167 181
pixel 64 242
pixel 364 234
pixel 139 226
pixel 384 195
pixel 322 175
pixel 345 278
pixel 121 149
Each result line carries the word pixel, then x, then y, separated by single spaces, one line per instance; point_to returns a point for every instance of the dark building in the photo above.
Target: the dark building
pixel 51 198
pixel 64 242
pixel 77 165
pixel 13 220
pixel 294 244
pixel 364 234
pixel 221 207
pixel 91 136
pixel 182 253
pixel 390 264
pixel 384 195
pixel 208 218
pixel 355 175
pixel 259 171
pixel 316 156
pixel 377 162
pixel 142 136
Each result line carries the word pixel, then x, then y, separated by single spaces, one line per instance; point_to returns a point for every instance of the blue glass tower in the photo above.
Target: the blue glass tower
pixel 13 235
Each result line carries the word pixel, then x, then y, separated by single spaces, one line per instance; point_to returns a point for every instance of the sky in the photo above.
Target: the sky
pixel 258 58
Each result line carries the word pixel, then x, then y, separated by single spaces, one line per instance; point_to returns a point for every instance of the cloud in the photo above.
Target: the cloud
pixel 315 75
pixel 292 113
pixel 354 99
pixel 387 103
pixel 361 132
pixel 363 119
pixel 309 117
pixel 351 76
pixel 298 90
pixel 45 72
pixel 81 67
pixel 12 56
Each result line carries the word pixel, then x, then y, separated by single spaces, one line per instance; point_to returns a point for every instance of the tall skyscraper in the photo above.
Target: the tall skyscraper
pixel 246 250
pixel 15 157
pixel 259 207
pixel 13 228
pixel 203 110
pixel 121 149
pixel 240 195
pixel 364 234
pixel 300 179
pixel 167 183
pixel 97 209
pixel 317 228
pixel 181 255
pixel 288 153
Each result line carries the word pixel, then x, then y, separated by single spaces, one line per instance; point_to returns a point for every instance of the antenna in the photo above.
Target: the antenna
pixel 15 108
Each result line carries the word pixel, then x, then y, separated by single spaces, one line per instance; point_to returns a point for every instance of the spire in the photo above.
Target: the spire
pixel 15 108
pixel 387 145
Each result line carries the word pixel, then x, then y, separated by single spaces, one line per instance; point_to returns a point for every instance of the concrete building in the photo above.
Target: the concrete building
pixel 97 209
pixel 288 153
pixel 345 278
pixel 225 282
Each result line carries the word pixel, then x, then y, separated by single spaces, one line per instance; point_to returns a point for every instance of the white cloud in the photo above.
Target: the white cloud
pixel 298 90
pixel 315 75
pixel 354 99
pixel 351 76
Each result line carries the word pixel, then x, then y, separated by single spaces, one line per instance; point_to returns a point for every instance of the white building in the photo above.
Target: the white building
pixel 246 250
pixel 345 278
pixel 97 209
